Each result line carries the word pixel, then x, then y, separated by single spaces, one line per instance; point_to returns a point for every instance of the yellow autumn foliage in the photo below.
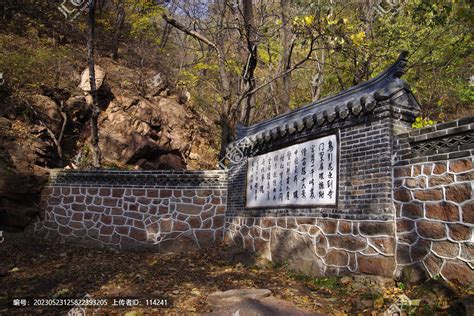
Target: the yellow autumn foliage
pixel 358 38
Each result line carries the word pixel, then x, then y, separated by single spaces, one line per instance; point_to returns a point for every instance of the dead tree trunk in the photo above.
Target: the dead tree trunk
pixel 248 73
pixel 318 78
pixel 285 63
pixel 96 155
pixel 118 28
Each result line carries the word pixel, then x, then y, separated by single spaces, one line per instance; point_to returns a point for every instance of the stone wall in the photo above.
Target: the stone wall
pixel 136 210
pixel 358 234
pixel 434 200
pixel 404 203
pixel 318 246
pixel 405 198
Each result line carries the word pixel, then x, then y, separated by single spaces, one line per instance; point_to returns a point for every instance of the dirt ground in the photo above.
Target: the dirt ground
pixel 33 269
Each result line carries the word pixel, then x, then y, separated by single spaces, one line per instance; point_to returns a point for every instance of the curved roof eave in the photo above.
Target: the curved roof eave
pixel 379 88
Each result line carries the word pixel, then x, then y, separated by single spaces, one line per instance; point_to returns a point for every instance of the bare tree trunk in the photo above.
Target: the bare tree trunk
pixel 248 73
pixel 225 121
pixel 95 104
pixel 226 134
pixel 285 63
pixel 362 67
pixel 118 28
pixel 227 111
pixel 318 78
pixel 166 34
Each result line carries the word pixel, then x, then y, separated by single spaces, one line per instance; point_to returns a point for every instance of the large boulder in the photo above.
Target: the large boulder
pixel 21 180
pixel 260 306
pixel 157 133
pixel 47 112
pixel 85 84
pixel 220 299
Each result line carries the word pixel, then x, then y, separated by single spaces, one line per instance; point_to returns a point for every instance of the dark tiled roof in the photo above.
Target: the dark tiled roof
pixel 355 100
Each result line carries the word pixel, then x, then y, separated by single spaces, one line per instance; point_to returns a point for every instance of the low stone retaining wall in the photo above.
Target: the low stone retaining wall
pixel 162 210
pixel 434 200
pixel 319 246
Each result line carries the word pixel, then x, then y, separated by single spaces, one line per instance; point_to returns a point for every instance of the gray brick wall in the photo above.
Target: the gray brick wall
pixel 356 236
pixel 449 140
pixel 365 167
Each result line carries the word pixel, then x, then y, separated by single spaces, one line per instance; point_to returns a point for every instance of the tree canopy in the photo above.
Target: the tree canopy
pixel 245 61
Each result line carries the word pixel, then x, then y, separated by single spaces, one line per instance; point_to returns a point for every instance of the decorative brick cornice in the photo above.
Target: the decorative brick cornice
pixel 450 140
pixel 163 178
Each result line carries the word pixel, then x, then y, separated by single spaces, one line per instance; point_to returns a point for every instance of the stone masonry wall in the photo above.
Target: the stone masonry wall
pixel 159 210
pixel 318 246
pixel 434 199
pixel 358 235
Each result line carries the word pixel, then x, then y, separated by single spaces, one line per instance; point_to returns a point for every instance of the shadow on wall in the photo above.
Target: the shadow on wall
pixel 19 193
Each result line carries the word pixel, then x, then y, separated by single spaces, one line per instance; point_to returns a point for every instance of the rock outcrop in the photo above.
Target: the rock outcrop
pixel 154 134
pixel 85 84
pixel 146 127
pixel 21 179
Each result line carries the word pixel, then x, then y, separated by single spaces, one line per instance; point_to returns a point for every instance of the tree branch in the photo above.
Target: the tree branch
pixel 56 141
pixel 64 115
pixel 282 74
pixel 192 33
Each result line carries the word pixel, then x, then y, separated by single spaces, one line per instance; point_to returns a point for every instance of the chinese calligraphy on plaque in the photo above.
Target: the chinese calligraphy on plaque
pixel 302 174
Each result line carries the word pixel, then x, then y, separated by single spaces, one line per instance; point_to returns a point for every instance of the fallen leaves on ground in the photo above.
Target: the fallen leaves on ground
pixel 44 269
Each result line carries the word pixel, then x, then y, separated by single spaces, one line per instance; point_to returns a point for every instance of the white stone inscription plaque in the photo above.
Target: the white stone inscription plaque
pixel 300 175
